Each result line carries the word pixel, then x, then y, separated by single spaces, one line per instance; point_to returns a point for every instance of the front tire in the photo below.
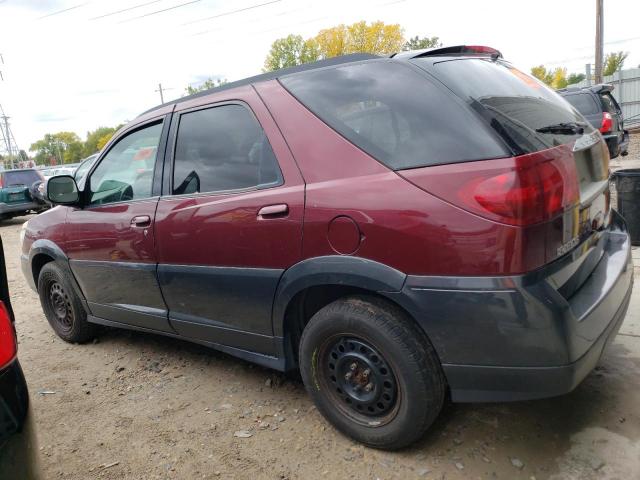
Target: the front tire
pixel 371 372
pixel 62 307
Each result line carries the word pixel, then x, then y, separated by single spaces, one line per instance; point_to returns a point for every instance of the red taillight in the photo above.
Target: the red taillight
pixel 607 123
pixel 520 191
pixel 7 337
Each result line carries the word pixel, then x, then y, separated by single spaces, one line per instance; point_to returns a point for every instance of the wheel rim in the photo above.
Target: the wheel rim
pixel 361 381
pixel 60 305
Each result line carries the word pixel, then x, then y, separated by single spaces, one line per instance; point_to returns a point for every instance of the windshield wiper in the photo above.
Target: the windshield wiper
pixel 563 128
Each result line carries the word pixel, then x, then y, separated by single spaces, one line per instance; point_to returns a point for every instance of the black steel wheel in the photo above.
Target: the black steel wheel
pixel 62 306
pixel 362 381
pixel 371 371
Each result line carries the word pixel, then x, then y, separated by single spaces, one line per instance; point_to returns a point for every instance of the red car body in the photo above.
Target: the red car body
pixel 514 266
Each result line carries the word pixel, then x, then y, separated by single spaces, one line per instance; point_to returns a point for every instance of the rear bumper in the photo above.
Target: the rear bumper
pixel 19 207
pixel 518 337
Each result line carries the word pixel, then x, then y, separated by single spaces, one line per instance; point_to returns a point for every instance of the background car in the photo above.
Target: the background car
pixel 597 104
pixel 77 170
pixel 17 192
pixel 18 449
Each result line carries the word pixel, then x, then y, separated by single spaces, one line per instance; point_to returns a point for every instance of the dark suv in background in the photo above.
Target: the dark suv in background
pixel 396 229
pixel 18 192
pixel 597 104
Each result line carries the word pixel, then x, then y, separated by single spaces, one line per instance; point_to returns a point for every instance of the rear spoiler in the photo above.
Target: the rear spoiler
pixel 602 88
pixel 599 88
pixel 457 50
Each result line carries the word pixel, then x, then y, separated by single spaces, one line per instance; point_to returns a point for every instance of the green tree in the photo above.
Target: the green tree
pixel 613 62
pixel 206 85
pixel 290 51
pixel 417 43
pixel 575 78
pixel 92 143
pixel 64 147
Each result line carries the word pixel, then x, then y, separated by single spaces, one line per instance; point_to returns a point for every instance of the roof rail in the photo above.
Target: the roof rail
pixel 451 51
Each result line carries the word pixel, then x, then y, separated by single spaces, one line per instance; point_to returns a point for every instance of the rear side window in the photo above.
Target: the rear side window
pixel 584 103
pixel 395 114
pixel 222 148
pixel 608 103
pixel 21 178
pixel 514 104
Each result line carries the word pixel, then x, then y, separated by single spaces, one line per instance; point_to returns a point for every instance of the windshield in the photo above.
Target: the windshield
pixel 84 167
pixel 514 104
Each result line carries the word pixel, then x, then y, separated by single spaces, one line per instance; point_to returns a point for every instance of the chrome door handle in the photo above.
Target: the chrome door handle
pixel 271 211
pixel 141 221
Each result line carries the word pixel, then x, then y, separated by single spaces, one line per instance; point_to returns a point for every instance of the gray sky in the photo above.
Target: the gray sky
pixel 79 64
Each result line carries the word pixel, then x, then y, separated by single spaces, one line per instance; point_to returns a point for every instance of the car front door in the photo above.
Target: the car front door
pixel 111 238
pixel 230 224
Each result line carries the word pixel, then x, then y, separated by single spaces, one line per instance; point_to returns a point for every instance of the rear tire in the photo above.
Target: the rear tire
pixel 62 307
pixel 371 372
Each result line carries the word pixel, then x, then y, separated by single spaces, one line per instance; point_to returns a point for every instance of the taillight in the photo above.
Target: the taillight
pixel 607 123
pixel 520 191
pixel 7 337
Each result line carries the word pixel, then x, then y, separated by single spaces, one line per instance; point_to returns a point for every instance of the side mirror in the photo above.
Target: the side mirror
pixel 62 190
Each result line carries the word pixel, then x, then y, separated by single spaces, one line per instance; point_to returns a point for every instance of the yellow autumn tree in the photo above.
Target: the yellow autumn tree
pixel 360 37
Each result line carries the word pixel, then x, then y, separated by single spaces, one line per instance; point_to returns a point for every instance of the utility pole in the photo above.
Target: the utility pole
pixel 7 137
pixel 161 95
pixel 599 39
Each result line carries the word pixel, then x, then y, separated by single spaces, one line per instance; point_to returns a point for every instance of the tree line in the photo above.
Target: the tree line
pixel 558 78
pixel 67 147
pixel 360 37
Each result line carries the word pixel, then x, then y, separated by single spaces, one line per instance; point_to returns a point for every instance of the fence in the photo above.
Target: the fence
pixel 626 92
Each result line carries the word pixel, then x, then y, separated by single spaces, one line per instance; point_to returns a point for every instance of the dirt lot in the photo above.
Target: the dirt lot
pixel 139 406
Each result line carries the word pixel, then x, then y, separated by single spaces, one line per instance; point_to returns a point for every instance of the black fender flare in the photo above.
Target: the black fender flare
pixel 332 270
pixel 53 250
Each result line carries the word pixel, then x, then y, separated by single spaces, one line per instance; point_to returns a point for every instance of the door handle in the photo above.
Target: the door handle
pixel 141 221
pixel 272 211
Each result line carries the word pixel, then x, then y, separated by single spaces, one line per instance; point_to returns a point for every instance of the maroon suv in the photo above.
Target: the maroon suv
pixel 398 229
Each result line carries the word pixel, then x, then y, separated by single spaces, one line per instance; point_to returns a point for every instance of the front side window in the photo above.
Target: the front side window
pixel 222 148
pixel 126 171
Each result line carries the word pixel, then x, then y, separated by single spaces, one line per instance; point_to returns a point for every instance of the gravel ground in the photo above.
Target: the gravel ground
pixel 137 406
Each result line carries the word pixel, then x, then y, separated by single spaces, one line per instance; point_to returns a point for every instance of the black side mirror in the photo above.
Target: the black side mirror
pixel 62 190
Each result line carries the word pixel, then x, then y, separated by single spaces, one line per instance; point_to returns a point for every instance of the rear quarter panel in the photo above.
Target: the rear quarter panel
pixel 400 225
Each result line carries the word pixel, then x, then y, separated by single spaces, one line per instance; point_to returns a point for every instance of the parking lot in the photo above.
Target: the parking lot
pixel 139 406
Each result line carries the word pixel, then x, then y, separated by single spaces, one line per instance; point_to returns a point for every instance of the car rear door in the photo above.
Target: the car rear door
pixel 230 221
pixel 111 239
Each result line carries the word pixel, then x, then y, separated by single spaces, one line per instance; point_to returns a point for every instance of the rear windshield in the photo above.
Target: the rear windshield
pixel 20 177
pixel 513 103
pixel 584 103
pixel 395 114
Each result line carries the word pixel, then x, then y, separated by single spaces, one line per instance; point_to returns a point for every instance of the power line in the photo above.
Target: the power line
pixel 62 11
pixel 160 11
pixel 231 12
pixel 125 10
